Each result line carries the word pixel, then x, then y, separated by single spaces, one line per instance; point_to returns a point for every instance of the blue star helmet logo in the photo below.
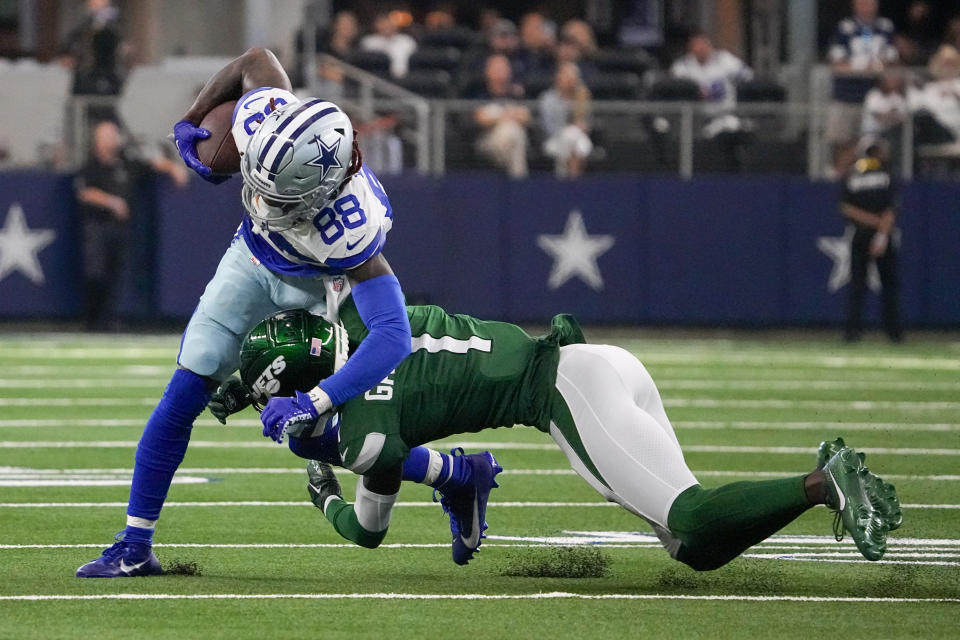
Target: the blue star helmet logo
pixel 326 158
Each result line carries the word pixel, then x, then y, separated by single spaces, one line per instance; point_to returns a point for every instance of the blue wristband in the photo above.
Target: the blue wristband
pixel 381 307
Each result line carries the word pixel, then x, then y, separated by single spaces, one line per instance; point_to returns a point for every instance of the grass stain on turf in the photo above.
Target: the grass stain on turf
pixel 183 568
pixel 558 562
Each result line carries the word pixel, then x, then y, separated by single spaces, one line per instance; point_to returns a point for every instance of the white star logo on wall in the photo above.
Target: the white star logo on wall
pixel 19 246
pixel 575 253
pixel 838 250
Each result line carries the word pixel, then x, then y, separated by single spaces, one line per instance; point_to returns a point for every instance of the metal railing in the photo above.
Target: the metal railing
pixel 440 135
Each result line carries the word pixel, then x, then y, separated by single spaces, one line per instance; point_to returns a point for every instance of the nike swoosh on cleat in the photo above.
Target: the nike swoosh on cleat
pixel 474 540
pixel 843 499
pixel 130 568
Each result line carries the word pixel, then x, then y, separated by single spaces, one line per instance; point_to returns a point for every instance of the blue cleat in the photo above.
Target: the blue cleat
pixel 123 560
pixel 468 506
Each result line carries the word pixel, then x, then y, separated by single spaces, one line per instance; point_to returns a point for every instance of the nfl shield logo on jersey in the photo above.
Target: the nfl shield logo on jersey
pixel 338 284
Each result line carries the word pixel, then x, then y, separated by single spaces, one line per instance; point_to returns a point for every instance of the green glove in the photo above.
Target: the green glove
pixel 230 397
pixel 322 483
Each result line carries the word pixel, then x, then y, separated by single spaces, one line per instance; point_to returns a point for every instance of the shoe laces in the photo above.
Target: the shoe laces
pixel 116 548
pixel 838 527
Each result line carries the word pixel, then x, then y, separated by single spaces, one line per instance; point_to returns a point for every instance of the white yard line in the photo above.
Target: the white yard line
pixel 67 475
pixel 553 595
pixel 810 425
pixel 719 425
pixel 502 446
pixel 303 503
pixel 135 380
pixel 675 402
pixel 759 384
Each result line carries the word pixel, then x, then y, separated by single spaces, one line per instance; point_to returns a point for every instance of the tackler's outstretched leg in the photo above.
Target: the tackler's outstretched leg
pixel 609 421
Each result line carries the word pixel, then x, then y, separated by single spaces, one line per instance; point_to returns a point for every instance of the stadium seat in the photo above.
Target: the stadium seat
pixel 611 60
pixel 614 86
pixel 372 61
pixel 443 58
pixel 675 89
pixel 430 83
pixel 458 37
pixel 761 90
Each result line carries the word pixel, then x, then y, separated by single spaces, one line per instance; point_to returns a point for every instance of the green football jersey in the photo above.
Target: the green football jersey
pixel 462 375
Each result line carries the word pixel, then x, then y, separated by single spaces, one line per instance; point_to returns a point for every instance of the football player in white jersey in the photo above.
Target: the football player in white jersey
pixel 315 225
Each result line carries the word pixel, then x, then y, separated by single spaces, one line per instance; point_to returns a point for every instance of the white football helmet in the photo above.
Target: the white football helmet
pixel 295 162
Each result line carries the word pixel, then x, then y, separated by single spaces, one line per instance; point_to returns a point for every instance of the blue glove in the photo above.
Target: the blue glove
pixel 185 135
pixel 291 416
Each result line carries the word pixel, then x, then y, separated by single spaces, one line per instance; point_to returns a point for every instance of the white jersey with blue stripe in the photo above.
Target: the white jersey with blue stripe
pixel 350 230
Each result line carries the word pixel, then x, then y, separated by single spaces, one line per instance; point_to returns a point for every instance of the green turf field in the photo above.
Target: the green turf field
pixel 270 566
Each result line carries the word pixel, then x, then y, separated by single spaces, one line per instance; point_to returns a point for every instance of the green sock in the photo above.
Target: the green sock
pixel 717 525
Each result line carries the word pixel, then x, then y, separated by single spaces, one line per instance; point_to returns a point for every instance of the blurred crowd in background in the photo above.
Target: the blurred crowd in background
pixel 537 70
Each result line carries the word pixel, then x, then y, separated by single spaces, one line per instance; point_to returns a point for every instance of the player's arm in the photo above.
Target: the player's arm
pixel 364 522
pixel 379 301
pixel 881 221
pixel 100 198
pixel 258 67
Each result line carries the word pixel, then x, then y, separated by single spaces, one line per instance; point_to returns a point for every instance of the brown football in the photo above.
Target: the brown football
pixel 219 151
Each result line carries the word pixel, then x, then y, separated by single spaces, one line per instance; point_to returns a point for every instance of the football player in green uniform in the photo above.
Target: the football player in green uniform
pixel 597 402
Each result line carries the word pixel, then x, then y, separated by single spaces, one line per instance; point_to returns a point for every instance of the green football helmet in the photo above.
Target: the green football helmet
pixel 290 351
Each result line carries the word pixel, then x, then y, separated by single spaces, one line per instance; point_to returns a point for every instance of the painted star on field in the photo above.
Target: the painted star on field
pixel 20 245
pixel 575 253
pixel 838 250
pixel 326 156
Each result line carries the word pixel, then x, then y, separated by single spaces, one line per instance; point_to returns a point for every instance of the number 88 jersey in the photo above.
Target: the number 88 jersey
pixel 346 232
pixel 343 235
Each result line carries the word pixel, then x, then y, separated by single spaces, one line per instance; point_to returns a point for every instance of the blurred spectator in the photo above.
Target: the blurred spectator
pixel 581 35
pixel 885 108
pixel 537 38
pixel 564 113
pixel 860 48
pixel 92 50
pixel 864 41
pixel 103 188
pixel 386 38
pixel 717 73
pixel 951 35
pixel 339 40
pixel 503 120
pixel 440 18
pixel 342 39
pixel 568 50
pixel 869 204
pixel 936 105
pixel 489 17
pixel 919 37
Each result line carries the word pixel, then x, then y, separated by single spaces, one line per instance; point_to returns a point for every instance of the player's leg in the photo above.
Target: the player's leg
pixel 604 421
pixel 859 248
pixel 890 295
pixel 602 424
pixel 234 301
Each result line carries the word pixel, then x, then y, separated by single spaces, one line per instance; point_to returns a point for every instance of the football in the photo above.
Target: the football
pixel 219 151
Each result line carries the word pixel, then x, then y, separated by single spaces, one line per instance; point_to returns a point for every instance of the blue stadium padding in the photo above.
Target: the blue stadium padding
pixel 735 250
pixel 47 202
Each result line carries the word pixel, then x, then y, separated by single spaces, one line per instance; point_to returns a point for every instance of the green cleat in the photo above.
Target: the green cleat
pixel 847 496
pixel 883 495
